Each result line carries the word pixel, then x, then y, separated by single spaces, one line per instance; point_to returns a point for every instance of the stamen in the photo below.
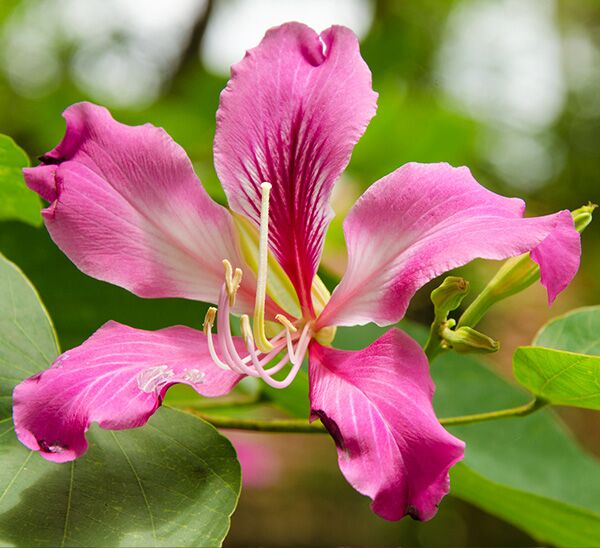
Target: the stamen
pixel 237 280
pixel 277 367
pixel 228 274
pixel 296 364
pixel 289 328
pixel 208 323
pixel 246 328
pixel 232 281
pixel 249 340
pixel 261 284
pixel 209 319
pixel 286 323
pixel 254 363
pixel 270 355
pixel 226 344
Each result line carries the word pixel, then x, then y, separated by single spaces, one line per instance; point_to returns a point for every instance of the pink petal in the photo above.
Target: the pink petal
pixel 425 219
pixel 127 208
pixel 376 403
pixel 290 115
pixel 117 378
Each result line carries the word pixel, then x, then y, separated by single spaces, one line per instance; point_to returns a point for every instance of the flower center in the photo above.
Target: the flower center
pixel 259 349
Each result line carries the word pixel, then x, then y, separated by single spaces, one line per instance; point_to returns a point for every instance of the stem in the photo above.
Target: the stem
pixel 519 411
pixel 477 309
pixel 227 401
pixel 292 426
pixel 433 345
pixel 300 426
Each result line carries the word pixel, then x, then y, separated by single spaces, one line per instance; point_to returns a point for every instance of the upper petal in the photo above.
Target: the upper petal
pixel 127 208
pixel 290 115
pixel 117 378
pixel 425 219
pixel 376 403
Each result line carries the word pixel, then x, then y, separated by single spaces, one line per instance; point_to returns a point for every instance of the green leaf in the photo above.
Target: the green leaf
pixel 542 518
pixel 28 342
pixel 561 378
pixel 174 482
pixel 521 469
pixel 564 366
pixel 16 200
pixel 578 331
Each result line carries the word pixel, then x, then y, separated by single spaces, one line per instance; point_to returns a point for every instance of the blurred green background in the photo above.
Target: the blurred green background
pixel 510 88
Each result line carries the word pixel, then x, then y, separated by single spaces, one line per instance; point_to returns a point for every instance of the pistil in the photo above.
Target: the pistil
pixel 261 284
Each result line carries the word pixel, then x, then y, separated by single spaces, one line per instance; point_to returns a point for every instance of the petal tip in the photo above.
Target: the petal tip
pixel 79 118
pixel 42 180
pixel 54 443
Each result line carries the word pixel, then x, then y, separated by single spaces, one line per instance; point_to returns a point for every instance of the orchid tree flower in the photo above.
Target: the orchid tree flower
pixel 126 207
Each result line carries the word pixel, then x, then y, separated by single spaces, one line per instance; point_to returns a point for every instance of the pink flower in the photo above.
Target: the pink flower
pixel 126 207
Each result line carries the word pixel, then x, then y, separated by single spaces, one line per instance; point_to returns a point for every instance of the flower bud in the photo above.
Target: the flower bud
pixel 582 217
pixel 448 296
pixel 466 339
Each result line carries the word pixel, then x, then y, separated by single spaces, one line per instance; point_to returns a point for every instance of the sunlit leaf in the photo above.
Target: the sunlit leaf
pixel 16 200
pixel 561 378
pixel 564 366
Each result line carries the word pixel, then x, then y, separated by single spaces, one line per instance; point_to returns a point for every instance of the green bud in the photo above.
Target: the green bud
pixel 466 339
pixel 583 216
pixel 448 296
pixel 516 274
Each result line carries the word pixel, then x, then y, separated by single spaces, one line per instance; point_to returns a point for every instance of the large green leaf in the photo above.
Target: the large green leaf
pixel 27 339
pixel 16 200
pixel 564 366
pixel 174 482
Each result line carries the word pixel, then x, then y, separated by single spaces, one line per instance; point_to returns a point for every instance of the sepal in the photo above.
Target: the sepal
pixel 449 296
pixel 467 339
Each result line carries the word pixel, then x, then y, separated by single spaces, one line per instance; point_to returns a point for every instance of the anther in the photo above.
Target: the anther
pixel 286 323
pixel 209 319
pixel 246 329
pixel 232 281
pixel 235 285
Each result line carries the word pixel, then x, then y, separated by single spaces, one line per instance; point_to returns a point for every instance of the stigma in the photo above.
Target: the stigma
pixel 287 347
